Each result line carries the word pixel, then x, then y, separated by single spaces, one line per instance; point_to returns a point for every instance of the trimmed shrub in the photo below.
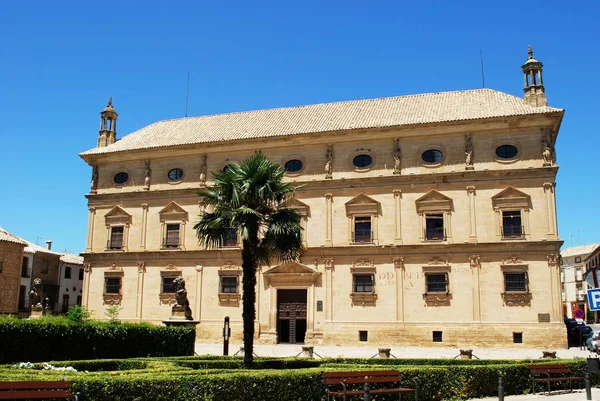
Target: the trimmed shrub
pixel 60 339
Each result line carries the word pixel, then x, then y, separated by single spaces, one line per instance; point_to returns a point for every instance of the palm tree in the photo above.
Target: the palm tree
pixel 248 197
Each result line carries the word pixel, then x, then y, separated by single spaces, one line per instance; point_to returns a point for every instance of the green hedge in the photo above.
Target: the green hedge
pixel 276 379
pixel 59 339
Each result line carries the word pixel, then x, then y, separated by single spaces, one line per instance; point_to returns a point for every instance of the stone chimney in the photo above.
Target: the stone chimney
pixel 49 245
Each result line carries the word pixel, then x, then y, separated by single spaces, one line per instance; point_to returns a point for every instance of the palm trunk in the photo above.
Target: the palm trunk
pixel 249 266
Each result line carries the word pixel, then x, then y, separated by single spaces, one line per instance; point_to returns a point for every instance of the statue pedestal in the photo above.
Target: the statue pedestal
pixel 36 312
pixel 185 323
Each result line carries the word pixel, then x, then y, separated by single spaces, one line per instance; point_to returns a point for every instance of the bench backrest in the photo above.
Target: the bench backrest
pixel 551 369
pixel 34 390
pixel 376 376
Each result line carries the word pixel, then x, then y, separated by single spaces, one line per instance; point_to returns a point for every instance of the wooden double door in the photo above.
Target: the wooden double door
pixel 291 316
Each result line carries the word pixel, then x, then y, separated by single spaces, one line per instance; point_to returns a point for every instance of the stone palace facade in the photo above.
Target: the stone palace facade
pixel 428 219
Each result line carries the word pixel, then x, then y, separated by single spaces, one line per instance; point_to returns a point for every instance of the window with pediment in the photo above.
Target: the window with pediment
pixel 229 289
pixel 117 222
pixel 167 286
pixel 363 283
pixel 113 285
pixel 173 219
pixel 515 273
pixel 435 212
pixel 437 282
pixel 511 208
pixel 363 212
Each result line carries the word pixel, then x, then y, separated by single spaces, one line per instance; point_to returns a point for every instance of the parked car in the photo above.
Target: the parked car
pixel 592 341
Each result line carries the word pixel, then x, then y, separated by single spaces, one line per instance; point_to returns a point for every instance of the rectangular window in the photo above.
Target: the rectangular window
pixel 80 274
pixel 231 238
pixel 45 266
pixel 518 338
pixel 362 230
pixel 229 284
pixel 437 336
pixel 515 282
pixel 172 236
pixel 167 285
pixel 578 259
pixel 363 335
pixel 22 296
pixel 116 238
pixel 112 285
pixel 436 282
pixel 65 303
pixel 25 267
pixel 67 272
pixel 363 283
pixel 434 227
pixel 511 224
pixel 79 300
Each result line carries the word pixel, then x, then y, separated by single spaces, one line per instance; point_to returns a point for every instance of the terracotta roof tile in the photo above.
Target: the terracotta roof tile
pixel 356 114
pixel 6 236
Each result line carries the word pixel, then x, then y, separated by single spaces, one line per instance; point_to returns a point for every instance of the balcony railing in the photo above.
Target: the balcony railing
pixel 435 234
pixel 513 232
pixel 362 238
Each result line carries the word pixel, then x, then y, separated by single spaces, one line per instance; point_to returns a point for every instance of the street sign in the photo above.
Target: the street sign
pixel 594 299
pixel 579 314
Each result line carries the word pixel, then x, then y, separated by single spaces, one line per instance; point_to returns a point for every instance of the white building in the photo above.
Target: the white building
pixel 70 277
pixel 572 277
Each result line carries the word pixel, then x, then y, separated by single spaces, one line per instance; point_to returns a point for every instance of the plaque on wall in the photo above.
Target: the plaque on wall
pixel 319 306
pixel 544 317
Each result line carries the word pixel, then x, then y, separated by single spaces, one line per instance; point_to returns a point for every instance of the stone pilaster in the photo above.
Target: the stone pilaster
pixel 328 219
pixel 90 237
pixel 472 219
pixel 475 262
pixel 198 306
pixel 399 273
pixel 144 225
pixel 398 217
pixel 329 269
pixel 550 208
pixel 554 272
pixel 140 290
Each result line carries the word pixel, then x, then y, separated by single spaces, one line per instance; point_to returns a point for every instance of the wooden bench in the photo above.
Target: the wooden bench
pixel 348 384
pixel 42 390
pixel 551 373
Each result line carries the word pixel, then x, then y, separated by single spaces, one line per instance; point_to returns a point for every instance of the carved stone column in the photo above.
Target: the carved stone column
pixel 144 225
pixel 475 262
pixel 85 296
pixel 554 286
pixel 398 217
pixel 399 273
pixel 329 269
pixel 472 220
pixel 198 307
pixel 140 290
pixel 328 219
pixel 90 237
pixel 550 208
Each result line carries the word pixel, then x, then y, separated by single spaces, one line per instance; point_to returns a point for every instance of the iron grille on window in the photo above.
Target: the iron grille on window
pixel 434 227
pixel 515 282
pixel 167 285
pixel 116 238
pixel 229 285
pixel 67 272
pixel 231 238
pixel 362 230
pixel 436 282
pixel 363 283
pixel 113 285
pixel 172 237
pixel 511 224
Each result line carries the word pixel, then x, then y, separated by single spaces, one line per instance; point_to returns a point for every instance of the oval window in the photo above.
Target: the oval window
pixel 506 151
pixel 175 174
pixel 121 178
pixel 432 156
pixel 362 161
pixel 293 166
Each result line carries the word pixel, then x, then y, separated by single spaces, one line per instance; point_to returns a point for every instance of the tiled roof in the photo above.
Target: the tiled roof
pixel 578 250
pixel 71 259
pixel 6 236
pixel 35 248
pixel 356 114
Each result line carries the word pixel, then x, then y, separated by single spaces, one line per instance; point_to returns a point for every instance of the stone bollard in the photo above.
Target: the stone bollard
pixel 549 354
pixel 466 354
pixel 384 352
pixel 308 351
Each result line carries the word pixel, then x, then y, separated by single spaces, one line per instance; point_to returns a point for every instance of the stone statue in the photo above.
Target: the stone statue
pixel 35 295
pixel 547 151
pixel 94 183
pixel 181 309
pixel 148 175
pixel 397 156
pixel 329 162
pixel 468 152
pixel 203 171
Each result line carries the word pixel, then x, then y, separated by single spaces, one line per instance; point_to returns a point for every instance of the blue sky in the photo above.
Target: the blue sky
pixel 60 61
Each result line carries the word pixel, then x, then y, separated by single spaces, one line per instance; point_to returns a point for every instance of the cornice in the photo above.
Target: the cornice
pixel 469 177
